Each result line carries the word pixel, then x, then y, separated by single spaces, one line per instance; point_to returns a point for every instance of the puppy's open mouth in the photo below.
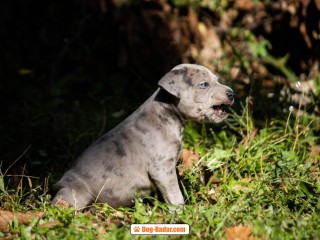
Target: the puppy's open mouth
pixel 221 110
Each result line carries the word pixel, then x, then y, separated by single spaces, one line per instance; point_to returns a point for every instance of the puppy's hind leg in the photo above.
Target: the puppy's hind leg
pixel 72 197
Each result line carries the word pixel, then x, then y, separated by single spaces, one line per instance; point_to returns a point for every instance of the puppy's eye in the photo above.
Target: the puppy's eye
pixel 204 85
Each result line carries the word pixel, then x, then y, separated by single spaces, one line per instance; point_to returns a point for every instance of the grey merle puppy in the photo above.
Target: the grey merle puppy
pixel 140 154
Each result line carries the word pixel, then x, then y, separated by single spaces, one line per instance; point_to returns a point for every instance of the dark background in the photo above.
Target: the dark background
pixel 71 70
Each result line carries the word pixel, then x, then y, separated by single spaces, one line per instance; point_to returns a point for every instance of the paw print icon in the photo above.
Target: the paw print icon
pixel 136 229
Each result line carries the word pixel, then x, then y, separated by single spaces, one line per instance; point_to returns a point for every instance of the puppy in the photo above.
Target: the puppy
pixel 140 154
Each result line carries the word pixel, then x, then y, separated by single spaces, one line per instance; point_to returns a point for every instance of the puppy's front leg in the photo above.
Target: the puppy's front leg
pixel 167 182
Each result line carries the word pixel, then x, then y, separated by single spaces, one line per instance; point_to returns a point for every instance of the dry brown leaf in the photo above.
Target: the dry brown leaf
pixel 118 219
pixel 113 220
pixel 23 218
pixel 214 180
pixel 315 150
pixel 239 233
pixel 244 4
pixel 9 237
pixel 246 180
pixel 188 159
pixel 101 232
pixel 213 197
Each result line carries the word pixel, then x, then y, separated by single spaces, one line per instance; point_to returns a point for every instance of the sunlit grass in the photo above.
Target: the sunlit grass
pixel 263 177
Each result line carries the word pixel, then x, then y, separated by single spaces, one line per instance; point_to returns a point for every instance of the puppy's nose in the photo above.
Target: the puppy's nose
pixel 230 95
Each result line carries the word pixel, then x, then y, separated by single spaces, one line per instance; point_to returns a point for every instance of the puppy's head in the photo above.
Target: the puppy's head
pixel 200 96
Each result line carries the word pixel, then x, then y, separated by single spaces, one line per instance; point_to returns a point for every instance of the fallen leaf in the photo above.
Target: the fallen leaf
pixel 113 220
pixel 239 233
pixel 23 218
pixel 213 199
pixel 212 194
pixel 188 159
pixel 244 4
pixel 101 232
pixel 9 237
pixel 214 180
pixel 315 150
pixel 246 180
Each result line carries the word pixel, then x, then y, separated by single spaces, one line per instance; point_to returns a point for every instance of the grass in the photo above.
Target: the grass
pixel 258 177
pixel 261 178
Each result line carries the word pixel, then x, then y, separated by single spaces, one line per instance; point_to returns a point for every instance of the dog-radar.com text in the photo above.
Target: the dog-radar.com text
pixel 159 229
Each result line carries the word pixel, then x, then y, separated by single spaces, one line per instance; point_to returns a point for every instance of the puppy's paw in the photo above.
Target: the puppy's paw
pixel 176 208
pixel 61 203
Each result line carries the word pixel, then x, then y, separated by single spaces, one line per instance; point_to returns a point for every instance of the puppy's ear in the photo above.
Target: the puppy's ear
pixel 171 82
